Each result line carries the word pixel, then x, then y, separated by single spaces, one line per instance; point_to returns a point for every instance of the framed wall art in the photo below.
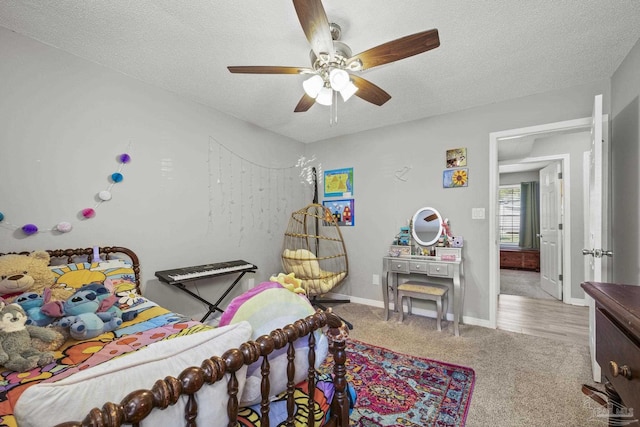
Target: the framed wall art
pixel 342 210
pixel 454 178
pixel 456 157
pixel 338 183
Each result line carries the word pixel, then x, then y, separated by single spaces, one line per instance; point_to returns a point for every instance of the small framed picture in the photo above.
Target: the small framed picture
pixel 456 157
pixel 343 211
pixel 454 178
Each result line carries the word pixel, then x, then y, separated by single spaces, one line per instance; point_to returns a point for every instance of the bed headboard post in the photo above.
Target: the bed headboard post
pixel 337 334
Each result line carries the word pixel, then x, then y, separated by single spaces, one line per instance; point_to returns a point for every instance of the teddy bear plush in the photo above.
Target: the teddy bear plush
pixel 16 350
pixel 28 273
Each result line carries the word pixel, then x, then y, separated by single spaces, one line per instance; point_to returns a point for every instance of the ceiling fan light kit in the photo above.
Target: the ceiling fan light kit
pixel 338 79
pixel 313 85
pixel 334 67
pixel 348 91
pixel 325 96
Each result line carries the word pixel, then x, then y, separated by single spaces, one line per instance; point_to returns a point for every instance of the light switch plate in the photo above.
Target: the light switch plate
pixel 477 213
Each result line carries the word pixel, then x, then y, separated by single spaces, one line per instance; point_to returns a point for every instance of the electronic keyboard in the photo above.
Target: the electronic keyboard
pixel 184 274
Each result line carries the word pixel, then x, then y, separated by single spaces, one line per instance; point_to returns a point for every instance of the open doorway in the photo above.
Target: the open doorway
pixel 521 145
pixel 530 208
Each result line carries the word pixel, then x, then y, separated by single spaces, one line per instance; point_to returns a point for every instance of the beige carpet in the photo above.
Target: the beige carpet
pixel 521 380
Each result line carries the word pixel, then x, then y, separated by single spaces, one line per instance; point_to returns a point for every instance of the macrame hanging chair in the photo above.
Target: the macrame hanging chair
pixel 314 250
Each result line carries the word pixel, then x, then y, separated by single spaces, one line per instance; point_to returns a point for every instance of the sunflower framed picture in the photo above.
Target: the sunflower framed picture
pixel 454 178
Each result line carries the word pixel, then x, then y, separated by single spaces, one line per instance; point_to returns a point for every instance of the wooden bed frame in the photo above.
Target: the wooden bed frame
pixel 165 392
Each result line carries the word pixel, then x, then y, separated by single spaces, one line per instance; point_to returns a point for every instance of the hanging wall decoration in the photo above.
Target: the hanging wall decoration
pixel 338 183
pixel 456 157
pixel 343 211
pixel 454 178
pixel 250 197
pixel 86 213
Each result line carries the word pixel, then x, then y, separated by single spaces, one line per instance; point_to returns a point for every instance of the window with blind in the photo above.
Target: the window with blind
pixel 509 199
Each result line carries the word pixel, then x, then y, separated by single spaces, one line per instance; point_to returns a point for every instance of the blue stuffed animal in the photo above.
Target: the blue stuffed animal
pixel 108 301
pixel 31 303
pixel 81 316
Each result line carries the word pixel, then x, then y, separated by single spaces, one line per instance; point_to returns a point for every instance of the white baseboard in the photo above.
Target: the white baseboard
pixel 578 301
pixel 428 313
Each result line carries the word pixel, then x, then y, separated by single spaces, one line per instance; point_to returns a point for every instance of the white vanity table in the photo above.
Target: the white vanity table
pixel 426 230
pixel 425 265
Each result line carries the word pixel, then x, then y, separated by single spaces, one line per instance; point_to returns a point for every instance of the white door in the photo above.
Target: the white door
pixel 595 218
pixel 595 215
pixel 550 231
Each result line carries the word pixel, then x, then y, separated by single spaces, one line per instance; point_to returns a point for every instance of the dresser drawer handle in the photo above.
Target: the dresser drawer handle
pixel 624 370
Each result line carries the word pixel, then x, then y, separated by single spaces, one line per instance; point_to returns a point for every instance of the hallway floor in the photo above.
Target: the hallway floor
pixel 544 318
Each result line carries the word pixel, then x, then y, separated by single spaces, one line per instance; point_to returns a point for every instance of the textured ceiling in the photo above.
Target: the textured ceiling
pixel 490 51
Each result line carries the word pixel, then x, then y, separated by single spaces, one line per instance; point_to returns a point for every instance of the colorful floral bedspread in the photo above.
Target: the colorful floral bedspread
pixel 151 324
pixel 78 355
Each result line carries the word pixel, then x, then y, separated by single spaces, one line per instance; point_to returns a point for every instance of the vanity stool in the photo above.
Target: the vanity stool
pixel 425 291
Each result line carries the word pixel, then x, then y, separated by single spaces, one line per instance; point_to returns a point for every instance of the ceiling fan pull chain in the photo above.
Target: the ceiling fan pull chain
pixel 335 108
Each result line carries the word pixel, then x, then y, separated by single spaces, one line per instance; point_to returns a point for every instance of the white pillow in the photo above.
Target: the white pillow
pixel 111 381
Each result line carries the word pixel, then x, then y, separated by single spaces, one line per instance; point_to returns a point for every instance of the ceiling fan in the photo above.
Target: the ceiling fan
pixel 333 65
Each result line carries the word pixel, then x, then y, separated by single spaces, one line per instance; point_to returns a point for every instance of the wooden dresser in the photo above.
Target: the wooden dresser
pixel 521 259
pixel 617 313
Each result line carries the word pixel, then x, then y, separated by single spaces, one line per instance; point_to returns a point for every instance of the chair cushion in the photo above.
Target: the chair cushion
pixel 423 288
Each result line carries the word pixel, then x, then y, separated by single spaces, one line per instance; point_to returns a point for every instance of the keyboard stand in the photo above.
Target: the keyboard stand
pixel 213 307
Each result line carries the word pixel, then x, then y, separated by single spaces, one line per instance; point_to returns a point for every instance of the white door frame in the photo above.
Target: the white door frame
pixel 494 180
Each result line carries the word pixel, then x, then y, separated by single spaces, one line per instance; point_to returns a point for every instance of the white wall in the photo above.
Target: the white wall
pixel 63 122
pixel 625 155
pixel 513 178
pixel 384 202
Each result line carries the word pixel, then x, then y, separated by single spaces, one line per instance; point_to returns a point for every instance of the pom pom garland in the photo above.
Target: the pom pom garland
pixel 29 229
pixel 88 213
pixel 65 227
pixel 104 195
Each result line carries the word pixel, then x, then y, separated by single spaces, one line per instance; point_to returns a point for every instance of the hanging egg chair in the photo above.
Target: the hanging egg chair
pixel 314 250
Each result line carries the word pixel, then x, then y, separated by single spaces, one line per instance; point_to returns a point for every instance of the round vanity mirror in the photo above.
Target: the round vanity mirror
pixel 426 226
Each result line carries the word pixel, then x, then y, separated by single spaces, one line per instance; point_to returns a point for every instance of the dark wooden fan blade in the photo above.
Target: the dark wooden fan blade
pixel 315 25
pixel 266 69
pixel 369 92
pixel 304 104
pixel 395 50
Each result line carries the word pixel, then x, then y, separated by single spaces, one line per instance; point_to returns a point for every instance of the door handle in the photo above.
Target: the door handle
pixel 597 253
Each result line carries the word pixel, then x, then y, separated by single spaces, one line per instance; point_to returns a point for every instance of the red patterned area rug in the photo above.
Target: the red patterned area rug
pixel 396 389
